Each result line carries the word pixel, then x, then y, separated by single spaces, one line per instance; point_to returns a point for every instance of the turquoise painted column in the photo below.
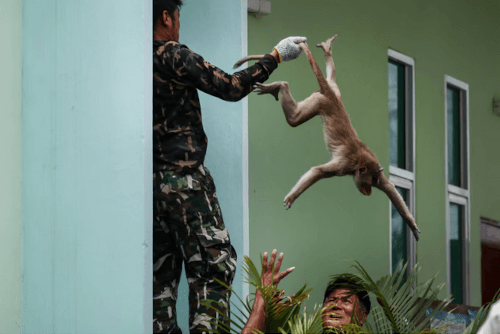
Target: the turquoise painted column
pixel 86 193
pixel 10 168
pixel 216 30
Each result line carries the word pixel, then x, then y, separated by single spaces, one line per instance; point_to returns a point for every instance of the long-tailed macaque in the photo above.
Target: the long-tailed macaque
pixel 350 156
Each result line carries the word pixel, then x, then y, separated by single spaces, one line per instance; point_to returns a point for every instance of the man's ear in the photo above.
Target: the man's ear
pixel 166 19
pixel 363 318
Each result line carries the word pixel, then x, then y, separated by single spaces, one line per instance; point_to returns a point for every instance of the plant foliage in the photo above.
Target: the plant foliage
pixel 481 315
pixel 402 305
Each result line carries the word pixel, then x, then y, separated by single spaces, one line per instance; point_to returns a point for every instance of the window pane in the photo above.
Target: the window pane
pixel 456 254
pixel 453 115
pixel 399 246
pixel 397 114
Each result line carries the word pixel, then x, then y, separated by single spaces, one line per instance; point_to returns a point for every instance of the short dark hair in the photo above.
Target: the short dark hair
pixel 347 281
pixel 159 6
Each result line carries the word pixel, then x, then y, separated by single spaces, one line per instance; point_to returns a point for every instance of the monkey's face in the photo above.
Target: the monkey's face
pixel 364 179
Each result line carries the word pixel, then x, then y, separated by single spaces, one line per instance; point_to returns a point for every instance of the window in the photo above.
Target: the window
pixel 402 153
pixel 457 189
pixel 399 235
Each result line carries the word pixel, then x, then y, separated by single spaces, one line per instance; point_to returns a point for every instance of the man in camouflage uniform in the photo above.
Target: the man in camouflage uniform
pixel 187 223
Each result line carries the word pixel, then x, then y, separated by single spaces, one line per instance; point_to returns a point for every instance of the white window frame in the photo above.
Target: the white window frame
pixel 459 195
pixel 402 178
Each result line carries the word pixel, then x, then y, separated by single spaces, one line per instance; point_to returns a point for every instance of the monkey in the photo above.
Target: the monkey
pixel 350 156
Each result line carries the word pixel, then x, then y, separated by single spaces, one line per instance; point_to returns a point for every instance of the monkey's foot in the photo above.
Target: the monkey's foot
pixel 272 88
pixel 327 45
pixel 288 201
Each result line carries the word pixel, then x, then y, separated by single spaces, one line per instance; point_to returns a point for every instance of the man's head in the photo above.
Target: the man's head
pixel 166 19
pixel 343 304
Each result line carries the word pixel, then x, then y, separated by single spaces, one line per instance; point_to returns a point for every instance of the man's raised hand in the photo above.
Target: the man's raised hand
pixel 270 272
pixel 270 276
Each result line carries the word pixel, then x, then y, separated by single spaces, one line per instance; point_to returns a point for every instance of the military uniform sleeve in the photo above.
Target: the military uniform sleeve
pixel 214 81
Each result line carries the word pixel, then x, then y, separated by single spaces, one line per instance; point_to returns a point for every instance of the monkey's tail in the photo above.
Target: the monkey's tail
pixel 247 58
pixel 323 84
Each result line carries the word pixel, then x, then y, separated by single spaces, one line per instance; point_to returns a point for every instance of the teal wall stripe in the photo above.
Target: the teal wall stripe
pixel 213 30
pixel 10 168
pixel 86 197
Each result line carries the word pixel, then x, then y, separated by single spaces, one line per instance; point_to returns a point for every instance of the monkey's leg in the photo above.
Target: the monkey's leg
pixel 308 179
pixel 295 113
pixel 331 74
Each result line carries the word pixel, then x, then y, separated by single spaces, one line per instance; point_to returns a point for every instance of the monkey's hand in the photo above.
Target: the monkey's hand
pixel 288 48
pixel 289 199
pixel 272 88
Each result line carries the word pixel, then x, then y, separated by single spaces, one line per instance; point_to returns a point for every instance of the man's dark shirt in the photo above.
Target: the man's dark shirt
pixel 179 141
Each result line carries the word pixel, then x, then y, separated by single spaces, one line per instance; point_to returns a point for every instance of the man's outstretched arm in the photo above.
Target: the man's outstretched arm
pixel 229 87
pixel 257 319
pixel 270 276
pixel 190 68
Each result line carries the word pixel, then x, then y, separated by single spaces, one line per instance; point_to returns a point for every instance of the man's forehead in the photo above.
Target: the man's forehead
pixel 341 292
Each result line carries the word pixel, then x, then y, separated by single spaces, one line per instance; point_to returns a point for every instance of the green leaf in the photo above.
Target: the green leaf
pixel 482 314
pixel 251 274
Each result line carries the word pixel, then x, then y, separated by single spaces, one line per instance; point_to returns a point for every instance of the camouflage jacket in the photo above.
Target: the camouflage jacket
pixel 179 141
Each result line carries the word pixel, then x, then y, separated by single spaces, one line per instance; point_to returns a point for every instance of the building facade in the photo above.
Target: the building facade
pixel 418 80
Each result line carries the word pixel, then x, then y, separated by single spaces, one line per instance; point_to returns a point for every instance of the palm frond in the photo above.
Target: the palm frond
pixel 278 313
pixel 306 323
pixel 403 301
pixel 411 301
pixel 402 310
pixel 482 314
pixel 251 274
pixel 219 323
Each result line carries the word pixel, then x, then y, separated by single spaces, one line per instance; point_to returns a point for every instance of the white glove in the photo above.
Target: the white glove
pixel 288 48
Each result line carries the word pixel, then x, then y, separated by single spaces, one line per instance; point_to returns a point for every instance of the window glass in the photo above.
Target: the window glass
pixel 399 241
pixel 456 257
pixel 453 116
pixel 397 114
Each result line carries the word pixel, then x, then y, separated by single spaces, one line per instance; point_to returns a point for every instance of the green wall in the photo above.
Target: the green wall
pixel 332 221
pixel 10 167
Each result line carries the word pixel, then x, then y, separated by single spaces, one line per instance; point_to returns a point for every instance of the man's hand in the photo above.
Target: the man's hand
pixel 270 273
pixel 288 48
pixel 270 276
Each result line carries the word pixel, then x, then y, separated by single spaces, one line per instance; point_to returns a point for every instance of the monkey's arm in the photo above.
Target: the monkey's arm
pixel 315 174
pixel 390 190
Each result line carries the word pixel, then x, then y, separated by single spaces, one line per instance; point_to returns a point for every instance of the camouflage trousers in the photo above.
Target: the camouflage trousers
pixel 188 228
